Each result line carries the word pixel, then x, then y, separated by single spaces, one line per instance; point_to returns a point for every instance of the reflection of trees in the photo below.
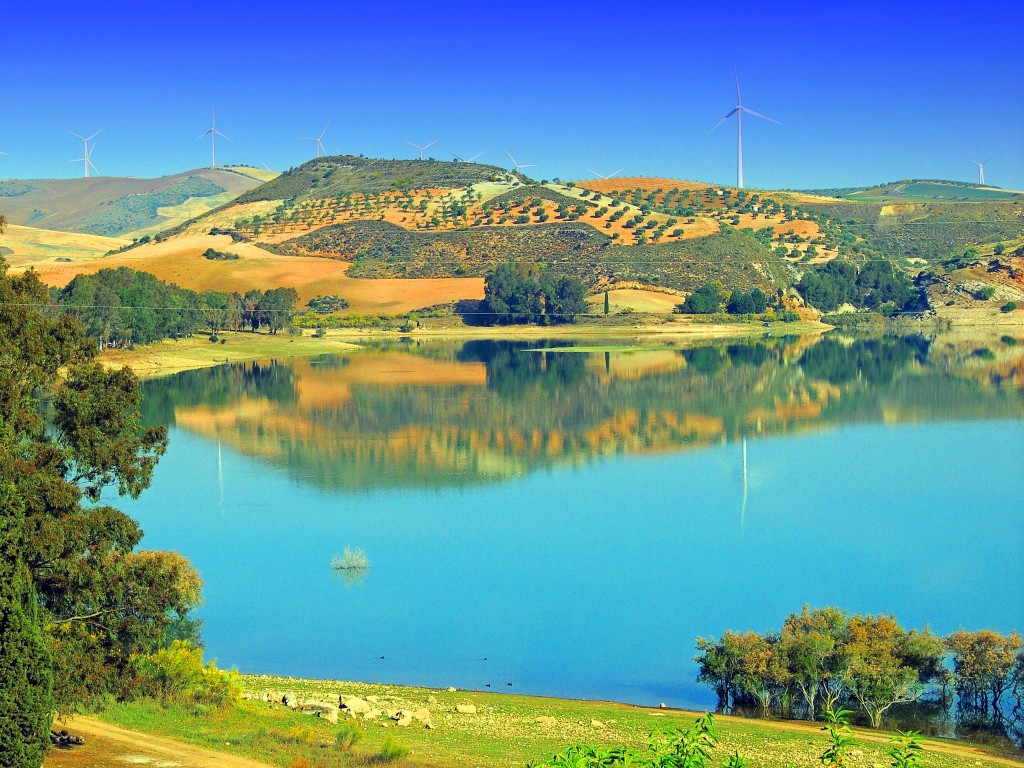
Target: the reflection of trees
pixel 541 405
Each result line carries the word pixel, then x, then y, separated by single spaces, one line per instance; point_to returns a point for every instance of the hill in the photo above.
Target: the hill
pixel 123 207
pixel 345 219
pixel 922 190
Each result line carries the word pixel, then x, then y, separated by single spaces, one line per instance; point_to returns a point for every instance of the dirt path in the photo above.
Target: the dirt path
pixel 110 746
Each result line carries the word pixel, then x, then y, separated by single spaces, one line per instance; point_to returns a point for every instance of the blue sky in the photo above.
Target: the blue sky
pixel 865 92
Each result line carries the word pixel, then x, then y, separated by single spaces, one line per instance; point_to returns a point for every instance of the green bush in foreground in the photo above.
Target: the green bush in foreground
pixel 177 675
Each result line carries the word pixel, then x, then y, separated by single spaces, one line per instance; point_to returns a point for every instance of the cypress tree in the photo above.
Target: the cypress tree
pixel 607 305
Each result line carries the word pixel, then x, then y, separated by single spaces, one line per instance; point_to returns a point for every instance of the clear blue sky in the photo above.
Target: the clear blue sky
pixel 866 92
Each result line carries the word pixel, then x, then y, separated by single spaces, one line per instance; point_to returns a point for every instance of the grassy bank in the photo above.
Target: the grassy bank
pixel 174 355
pixel 506 730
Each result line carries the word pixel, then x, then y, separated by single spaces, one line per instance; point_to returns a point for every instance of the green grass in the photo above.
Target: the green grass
pixel 930 190
pixel 505 732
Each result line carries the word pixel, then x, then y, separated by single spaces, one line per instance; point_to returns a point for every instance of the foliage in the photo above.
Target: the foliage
pixel 826 656
pixel 351 560
pixel 77 600
pixel 132 212
pixel 214 255
pixel 691 748
pixel 325 305
pixel 514 294
pixel 705 300
pixel 176 675
pixel 983 665
pixel 838 724
pixel 905 749
pixel 389 752
pixel 349 734
pixel 122 307
pixel 873 285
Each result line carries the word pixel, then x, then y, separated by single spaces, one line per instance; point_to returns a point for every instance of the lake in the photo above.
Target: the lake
pixel 569 521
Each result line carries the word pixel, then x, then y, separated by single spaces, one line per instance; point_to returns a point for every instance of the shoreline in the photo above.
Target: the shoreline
pixel 170 356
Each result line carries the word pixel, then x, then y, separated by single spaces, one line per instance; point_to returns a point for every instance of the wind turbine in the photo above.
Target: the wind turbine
pixel 213 133
pixel 738 110
pixel 518 165
pixel 86 158
pixel 425 146
pixel 319 141
pixel 602 176
pixel 981 170
pixel 466 159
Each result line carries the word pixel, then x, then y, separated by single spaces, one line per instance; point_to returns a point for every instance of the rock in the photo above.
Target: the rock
pixel 428 725
pixel 546 720
pixel 450 689
pixel 431 699
pixel 391 714
pixel 355 705
pixel 596 724
pixel 322 709
pixel 663 705
pixel 466 709
pixel 373 699
pixel 290 699
pixel 404 720
pixel 423 715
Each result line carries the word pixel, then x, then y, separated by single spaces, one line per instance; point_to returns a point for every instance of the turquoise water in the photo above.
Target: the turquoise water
pixel 582 573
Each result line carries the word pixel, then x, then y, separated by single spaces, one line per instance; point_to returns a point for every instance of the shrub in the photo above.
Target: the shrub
pixel 390 751
pixel 349 734
pixel 985 293
pixel 177 675
pixel 351 560
pixel 1008 306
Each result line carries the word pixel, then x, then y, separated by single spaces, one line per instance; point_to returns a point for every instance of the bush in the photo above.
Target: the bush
pixel 349 734
pixel 985 293
pixel 1008 306
pixel 390 751
pixel 177 675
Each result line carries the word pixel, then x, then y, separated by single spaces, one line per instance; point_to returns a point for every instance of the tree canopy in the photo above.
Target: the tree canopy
pixel 517 293
pixel 77 599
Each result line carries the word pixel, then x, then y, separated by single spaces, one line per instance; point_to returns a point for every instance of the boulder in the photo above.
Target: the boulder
pixel 596 724
pixel 466 709
pixel 290 699
pixel 431 699
pixel 373 714
pixel 322 709
pixel 423 715
pixel 355 705
pixel 404 719
pixel 450 689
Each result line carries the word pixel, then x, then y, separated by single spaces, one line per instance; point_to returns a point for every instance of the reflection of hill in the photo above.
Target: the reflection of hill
pixel 444 414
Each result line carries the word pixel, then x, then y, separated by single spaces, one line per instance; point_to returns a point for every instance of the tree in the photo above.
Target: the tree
pixel 983 663
pixel 884 663
pixel 607 303
pixel 814 642
pixel 76 599
pixel 512 295
pixel 564 299
pixel 705 300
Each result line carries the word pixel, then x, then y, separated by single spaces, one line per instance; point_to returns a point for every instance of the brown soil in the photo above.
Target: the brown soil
pixel 110 746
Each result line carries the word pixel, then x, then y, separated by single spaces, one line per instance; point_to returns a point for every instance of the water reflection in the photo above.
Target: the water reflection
pixel 444 414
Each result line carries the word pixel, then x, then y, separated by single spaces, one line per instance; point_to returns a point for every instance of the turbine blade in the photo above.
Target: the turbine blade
pixel 510 157
pixel 77 136
pixel 221 134
pixel 101 130
pixel 324 130
pixel 474 157
pixel 739 99
pixel 730 114
pixel 204 133
pixel 93 166
pixel 4 154
pixel 758 114
pixel 456 157
pixel 988 158
pixel 527 165
pixel 614 172
pixel 430 144
pixel 412 145
pixel 600 176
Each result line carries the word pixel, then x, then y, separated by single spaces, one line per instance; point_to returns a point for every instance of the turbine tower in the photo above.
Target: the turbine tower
pixel 981 170
pixel 516 165
pixel 738 110
pixel 425 146
pixel 602 176
pixel 213 133
pixel 319 140
pixel 86 158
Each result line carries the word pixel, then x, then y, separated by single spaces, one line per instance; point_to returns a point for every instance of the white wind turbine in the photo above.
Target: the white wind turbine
pixel 86 158
pixel 602 176
pixel 738 110
pixel 319 140
pixel 516 165
pixel 425 146
pixel 466 159
pixel 981 170
pixel 213 133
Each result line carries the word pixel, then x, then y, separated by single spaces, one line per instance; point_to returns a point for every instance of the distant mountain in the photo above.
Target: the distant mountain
pixel 921 190
pixel 122 207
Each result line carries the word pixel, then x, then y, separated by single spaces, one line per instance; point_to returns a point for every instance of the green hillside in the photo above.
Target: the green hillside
pixel 921 190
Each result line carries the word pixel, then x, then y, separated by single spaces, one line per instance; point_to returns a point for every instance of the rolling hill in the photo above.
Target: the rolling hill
pixel 363 228
pixel 123 207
